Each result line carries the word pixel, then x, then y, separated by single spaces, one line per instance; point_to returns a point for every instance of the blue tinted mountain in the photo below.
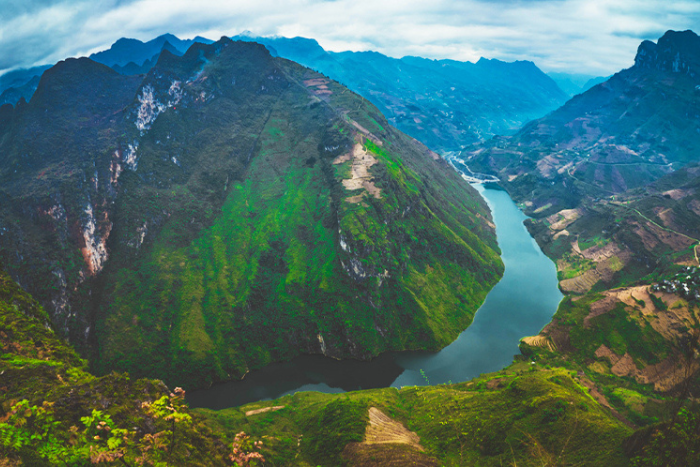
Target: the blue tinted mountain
pixel 573 83
pixel 445 104
pixel 229 209
pixel 125 51
pixel 20 83
pixel 133 68
pixel 14 94
pixel 17 78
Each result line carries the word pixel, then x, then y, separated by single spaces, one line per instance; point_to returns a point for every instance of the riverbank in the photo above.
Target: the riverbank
pixel 520 305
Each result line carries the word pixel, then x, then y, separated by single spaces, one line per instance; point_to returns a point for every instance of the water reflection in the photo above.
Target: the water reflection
pixel 519 305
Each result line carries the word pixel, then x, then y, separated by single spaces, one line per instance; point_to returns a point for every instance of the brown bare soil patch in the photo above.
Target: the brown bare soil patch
pixel 361 178
pixel 581 284
pixel 599 253
pixel 677 193
pixel 383 429
pixel 666 216
pixel 694 206
pixel 671 323
pixel 558 336
pixel 263 410
pixel 387 443
pixel 547 165
pixel 342 158
pixel 664 375
pixel 486 221
pixel 563 218
pixel 318 86
pixel 668 374
pixel 650 242
pixel 676 241
pixel 315 82
pixel 625 366
pixel 599 308
pixel 539 341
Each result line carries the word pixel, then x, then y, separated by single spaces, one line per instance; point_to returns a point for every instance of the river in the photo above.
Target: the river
pixel 520 305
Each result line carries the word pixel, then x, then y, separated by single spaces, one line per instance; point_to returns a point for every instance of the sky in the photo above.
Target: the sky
pixel 595 37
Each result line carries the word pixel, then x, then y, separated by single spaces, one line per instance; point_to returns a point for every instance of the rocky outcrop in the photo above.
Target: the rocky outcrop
pixel 675 52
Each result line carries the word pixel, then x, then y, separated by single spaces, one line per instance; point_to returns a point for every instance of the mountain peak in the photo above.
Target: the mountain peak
pixel 675 51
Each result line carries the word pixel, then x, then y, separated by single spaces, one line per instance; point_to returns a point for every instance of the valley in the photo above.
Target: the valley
pixel 220 212
pixel 521 304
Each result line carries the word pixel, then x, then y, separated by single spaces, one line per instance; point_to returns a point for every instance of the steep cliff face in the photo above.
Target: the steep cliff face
pixel 230 209
pixel 675 52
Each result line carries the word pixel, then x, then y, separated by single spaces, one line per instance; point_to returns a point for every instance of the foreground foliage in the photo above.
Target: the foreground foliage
pixel 53 412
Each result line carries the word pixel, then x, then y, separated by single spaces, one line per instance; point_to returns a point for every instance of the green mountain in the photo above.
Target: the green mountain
pixel 445 104
pixel 230 209
pixel 630 130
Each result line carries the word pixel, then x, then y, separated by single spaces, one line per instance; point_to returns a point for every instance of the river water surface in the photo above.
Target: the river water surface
pixel 520 305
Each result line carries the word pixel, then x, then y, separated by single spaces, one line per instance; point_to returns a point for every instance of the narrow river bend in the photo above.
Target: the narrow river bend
pixel 521 304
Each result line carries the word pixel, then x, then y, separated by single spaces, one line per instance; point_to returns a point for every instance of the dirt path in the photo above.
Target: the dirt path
pixel 263 410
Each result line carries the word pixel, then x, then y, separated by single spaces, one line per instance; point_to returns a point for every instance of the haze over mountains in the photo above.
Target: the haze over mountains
pixel 444 103
pixel 573 84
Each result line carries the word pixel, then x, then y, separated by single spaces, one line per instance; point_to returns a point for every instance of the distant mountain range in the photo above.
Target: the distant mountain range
pixel 18 84
pixel 126 52
pixel 446 104
pixel 574 84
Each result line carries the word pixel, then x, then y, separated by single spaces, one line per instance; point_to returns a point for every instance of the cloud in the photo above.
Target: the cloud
pixel 582 36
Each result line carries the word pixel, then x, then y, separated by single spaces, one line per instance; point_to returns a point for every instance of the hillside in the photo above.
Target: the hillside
pixel 622 134
pixel 230 209
pixel 611 180
pixel 53 412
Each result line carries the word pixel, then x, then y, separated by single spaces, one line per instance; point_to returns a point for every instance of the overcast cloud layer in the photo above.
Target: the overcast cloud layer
pixel 596 37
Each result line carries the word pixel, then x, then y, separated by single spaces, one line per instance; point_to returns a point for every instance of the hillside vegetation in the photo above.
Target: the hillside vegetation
pixel 230 209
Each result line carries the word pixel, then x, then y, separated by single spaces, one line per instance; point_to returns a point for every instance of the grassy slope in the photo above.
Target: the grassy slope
pixel 521 415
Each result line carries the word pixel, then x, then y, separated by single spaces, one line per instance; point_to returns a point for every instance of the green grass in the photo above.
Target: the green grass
pixel 517 416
